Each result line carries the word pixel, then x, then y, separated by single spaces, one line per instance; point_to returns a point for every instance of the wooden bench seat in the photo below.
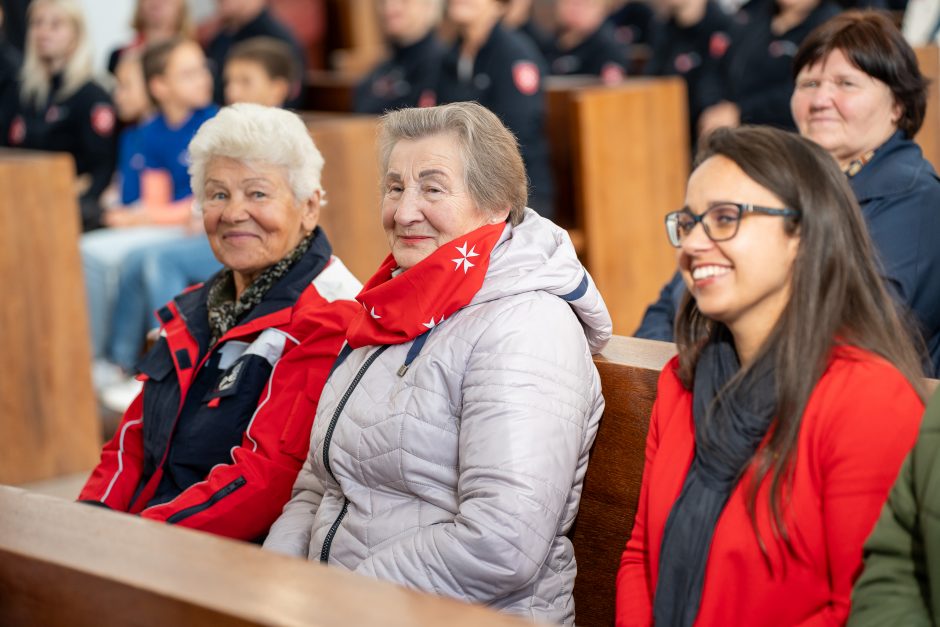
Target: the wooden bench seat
pixel 74 565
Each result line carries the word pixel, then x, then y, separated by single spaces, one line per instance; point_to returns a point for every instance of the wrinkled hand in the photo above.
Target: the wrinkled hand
pixel 717 116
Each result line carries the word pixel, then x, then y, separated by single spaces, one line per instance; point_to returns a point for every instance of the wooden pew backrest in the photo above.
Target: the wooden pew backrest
pixel 631 147
pixel 69 564
pixel 928 58
pixel 351 217
pixel 48 417
pixel 629 370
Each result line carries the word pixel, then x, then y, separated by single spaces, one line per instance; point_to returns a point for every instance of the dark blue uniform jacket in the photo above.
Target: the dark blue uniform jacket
pixel 401 80
pixel 508 79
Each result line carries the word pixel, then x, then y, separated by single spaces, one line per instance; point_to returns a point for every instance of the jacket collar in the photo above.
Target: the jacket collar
pixel 275 308
pixel 893 170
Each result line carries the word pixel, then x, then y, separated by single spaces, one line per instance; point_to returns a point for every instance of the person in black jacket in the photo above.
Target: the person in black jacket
pixel 410 73
pixel 245 19
pixel 586 42
pixel 503 71
pixel 58 106
pixel 691 42
pixel 757 74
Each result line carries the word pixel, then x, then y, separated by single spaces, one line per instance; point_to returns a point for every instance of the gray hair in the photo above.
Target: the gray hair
pixel 493 170
pixel 256 134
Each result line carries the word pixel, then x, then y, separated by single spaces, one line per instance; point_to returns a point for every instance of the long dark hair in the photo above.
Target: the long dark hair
pixel 836 295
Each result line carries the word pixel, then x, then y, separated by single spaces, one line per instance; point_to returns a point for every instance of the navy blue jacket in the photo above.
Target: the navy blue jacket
pixel 899 194
pixel 401 80
pixel 599 54
pixel 508 79
pixel 758 70
pixel 696 54
pixel 264 25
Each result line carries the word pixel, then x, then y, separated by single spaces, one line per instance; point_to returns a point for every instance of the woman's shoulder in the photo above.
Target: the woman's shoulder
pixel 857 366
pixel 859 387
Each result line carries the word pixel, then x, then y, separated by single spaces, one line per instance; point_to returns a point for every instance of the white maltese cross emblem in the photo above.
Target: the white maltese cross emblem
pixel 464 260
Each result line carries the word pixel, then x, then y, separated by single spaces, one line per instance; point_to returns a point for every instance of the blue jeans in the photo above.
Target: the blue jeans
pixel 150 279
pixel 104 253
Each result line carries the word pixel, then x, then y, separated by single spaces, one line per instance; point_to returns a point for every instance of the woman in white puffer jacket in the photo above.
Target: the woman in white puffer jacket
pixel 451 440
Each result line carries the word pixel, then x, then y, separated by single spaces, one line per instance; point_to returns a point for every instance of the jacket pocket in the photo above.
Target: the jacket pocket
pixel 295 439
pixel 212 500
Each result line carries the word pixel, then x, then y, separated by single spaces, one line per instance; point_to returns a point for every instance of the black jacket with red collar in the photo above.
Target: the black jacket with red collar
pixel 217 436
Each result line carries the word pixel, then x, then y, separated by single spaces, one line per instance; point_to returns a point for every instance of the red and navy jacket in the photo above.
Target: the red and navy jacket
pixel 217 436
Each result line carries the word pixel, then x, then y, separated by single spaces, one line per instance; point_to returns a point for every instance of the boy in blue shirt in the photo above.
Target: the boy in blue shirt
pixel 179 84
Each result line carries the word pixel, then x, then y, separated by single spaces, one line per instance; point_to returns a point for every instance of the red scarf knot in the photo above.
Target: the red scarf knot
pixel 397 309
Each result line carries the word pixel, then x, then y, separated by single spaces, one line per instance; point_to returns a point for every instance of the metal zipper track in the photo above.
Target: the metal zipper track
pixel 328 439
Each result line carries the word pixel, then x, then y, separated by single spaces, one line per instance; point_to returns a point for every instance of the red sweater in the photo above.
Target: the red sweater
pixel 861 420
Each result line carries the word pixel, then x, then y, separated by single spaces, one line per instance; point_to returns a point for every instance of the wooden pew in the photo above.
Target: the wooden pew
pixel 351 180
pixel 48 416
pixel 629 369
pixel 71 565
pixel 621 156
pixel 928 58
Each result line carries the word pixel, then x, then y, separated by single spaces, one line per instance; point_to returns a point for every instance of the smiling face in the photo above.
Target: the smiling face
pixel 251 216
pixel 842 108
pixel 426 203
pixel 743 282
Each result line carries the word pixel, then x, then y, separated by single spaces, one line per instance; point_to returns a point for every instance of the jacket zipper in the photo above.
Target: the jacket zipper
pixel 328 541
pixel 212 500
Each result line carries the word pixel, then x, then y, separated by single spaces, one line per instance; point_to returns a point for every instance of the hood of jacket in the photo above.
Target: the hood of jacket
pixel 537 255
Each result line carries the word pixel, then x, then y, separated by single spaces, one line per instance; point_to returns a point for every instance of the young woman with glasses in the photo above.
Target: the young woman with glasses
pixel 780 426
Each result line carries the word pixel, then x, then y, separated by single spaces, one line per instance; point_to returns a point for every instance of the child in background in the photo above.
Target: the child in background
pixel 260 70
pixel 179 84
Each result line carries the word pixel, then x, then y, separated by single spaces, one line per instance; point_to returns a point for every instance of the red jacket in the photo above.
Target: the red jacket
pixel 861 420
pixel 262 410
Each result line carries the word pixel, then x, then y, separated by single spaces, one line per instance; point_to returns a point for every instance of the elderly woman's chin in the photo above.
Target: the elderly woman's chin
pixel 409 251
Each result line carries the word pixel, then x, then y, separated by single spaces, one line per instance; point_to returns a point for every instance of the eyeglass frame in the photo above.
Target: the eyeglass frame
pixel 743 208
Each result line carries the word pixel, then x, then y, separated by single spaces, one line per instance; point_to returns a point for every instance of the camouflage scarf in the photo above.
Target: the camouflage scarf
pixel 225 310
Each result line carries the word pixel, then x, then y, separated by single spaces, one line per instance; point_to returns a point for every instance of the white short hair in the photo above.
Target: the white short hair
pixel 256 134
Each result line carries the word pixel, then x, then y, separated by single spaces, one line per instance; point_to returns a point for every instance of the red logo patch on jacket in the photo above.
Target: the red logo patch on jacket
pixel 612 73
pixel 17 131
pixel 525 75
pixel 102 119
pixel 718 45
pixel 427 98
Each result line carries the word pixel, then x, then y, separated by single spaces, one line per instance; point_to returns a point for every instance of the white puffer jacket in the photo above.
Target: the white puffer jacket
pixel 462 476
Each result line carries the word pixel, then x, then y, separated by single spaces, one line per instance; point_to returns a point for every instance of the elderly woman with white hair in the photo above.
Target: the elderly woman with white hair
pixel 451 441
pixel 221 428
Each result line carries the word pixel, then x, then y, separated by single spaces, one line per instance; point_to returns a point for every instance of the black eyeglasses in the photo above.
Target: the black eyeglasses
pixel 720 222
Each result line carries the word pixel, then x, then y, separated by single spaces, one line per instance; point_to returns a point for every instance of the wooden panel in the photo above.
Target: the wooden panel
pixel 629 370
pixel 351 217
pixel 104 568
pixel 928 57
pixel 354 40
pixel 47 410
pixel 329 91
pixel 560 92
pixel 633 147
